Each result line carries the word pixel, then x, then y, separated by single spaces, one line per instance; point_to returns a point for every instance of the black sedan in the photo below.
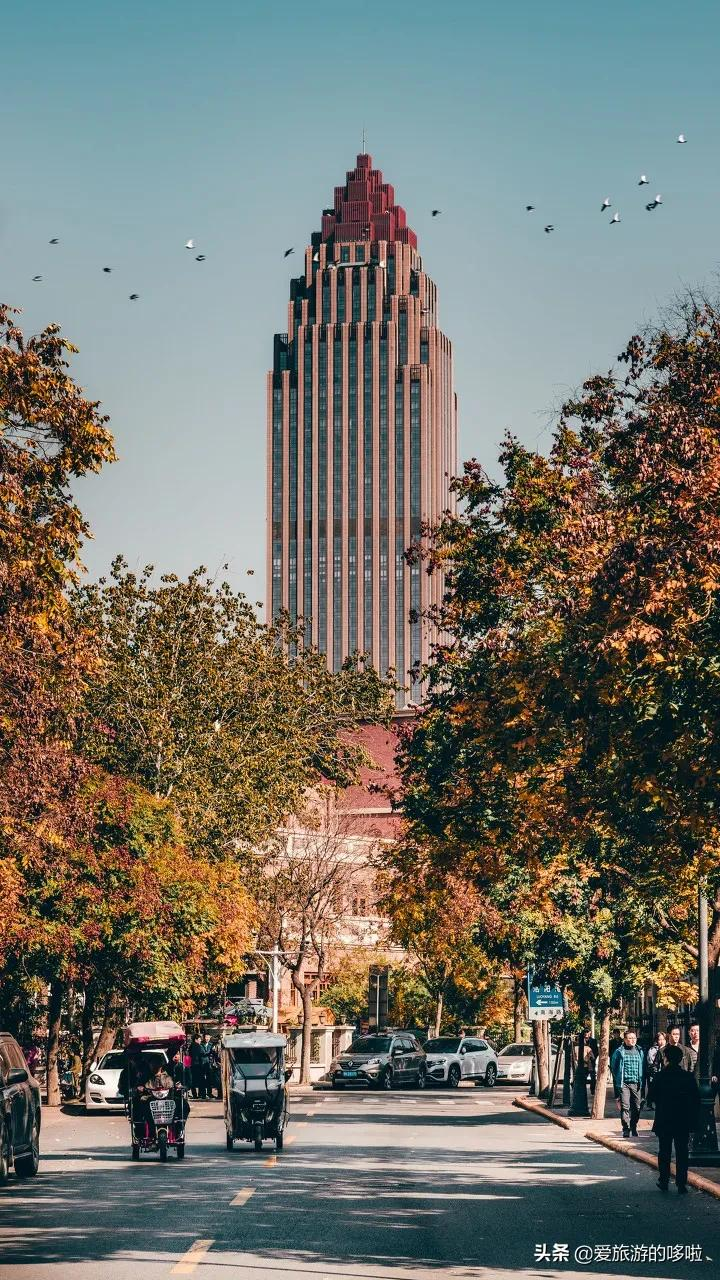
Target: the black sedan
pixel 19 1113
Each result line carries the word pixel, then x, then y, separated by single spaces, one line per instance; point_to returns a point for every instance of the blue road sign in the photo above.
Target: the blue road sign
pixel 545 1000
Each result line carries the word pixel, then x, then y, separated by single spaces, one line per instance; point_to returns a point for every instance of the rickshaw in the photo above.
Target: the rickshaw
pixel 157 1119
pixel 254 1086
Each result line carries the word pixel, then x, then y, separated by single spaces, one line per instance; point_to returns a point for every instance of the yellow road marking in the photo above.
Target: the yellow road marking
pixel 243 1195
pixel 196 1254
pixel 272 1160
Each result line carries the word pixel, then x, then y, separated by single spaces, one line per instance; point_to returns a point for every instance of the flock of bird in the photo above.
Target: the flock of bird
pixel 607 202
pixel 529 208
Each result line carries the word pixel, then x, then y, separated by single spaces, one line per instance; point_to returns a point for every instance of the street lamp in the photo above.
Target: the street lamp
pixel 704 1142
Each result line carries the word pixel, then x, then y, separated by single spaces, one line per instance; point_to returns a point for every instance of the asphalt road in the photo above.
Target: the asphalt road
pixel 401 1185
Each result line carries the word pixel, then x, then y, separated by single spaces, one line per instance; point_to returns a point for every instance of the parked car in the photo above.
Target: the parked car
pixel 516 1063
pixel 102 1085
pixel 380 1062
pixel 451 1059
pixel 20 1112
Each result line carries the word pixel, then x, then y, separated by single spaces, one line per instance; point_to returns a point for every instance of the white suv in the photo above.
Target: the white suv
pixel 451 1059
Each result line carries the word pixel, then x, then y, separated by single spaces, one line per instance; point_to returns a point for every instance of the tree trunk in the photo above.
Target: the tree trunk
pixel 307 1007
pixel 518 1007
pixel 88 1037
pixel 598 1106
pixel 55 1001
pixel 438 1012
pixel 541 1057
pixel 108 1030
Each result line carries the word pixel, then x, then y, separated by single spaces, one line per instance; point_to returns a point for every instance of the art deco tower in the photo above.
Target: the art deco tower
pixel 361 433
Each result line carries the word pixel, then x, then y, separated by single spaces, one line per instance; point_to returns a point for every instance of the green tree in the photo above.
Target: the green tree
pixel 201 704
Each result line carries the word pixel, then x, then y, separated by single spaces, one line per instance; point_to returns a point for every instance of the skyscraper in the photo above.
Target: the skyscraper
pixel 362 433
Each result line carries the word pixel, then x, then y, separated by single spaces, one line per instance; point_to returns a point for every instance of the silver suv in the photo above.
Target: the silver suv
pixel 380 1061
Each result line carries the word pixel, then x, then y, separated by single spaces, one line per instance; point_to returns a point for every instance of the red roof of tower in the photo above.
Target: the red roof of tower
pixel 365 209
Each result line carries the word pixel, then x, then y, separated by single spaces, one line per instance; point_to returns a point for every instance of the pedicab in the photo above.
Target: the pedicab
pixel 254 1086
pixel 157 1115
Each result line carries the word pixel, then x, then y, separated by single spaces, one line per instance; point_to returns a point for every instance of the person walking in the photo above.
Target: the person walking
pixel 196 1068
pixel 654 1061
pixel 676 1097
pixel 693 1047
pixel 673 1038
pixel 206 1050
pixel 628 1073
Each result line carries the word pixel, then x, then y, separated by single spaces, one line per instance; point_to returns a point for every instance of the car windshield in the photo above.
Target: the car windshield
pixel 371 1044
pixel 516 1051
pixel 112 1061
pixel 255 1064
pixel 445 1044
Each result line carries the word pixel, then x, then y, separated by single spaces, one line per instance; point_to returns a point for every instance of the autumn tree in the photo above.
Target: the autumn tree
pixel 50 434
pixel 570 736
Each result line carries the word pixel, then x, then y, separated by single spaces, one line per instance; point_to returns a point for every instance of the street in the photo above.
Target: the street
pixel 396 1185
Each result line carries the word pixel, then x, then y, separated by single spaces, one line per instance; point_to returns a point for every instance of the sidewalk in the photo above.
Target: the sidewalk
pixel 644 1147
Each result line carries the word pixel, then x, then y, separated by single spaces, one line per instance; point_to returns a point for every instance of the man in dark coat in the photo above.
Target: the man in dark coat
pixel 677 1107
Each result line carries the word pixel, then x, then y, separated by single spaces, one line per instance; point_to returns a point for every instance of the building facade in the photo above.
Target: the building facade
pixel 362 435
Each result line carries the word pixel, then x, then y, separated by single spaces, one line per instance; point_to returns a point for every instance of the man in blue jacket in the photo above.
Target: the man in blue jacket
pixel 628 1072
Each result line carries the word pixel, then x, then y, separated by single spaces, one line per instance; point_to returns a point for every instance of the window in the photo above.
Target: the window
pixel 345 253
pixel 359 252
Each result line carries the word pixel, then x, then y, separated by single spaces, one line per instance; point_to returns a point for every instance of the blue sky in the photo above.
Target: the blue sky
pixel 130 127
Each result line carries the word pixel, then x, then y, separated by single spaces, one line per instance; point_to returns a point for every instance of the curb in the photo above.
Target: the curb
pixel 643 1157
pixel 537 1108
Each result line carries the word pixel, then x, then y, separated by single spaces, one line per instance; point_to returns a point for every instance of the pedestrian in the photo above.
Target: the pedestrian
pixel 693 1046
pixel 715 1070
pixel 32 1057
pixel 76 1069
pixel 676 1097
pixel 628 1073
pixel 673 1038
pixel 206 1050
pixel 594 1048
pixel 654 1061
pixel 196 1067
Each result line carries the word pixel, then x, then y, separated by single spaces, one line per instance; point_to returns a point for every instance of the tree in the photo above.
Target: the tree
pixel 49 435
pixel 310 873
pixel 201 704
pixel 568 748
pixel 436 921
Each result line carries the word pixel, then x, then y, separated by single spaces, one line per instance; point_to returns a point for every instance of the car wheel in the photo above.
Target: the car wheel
pixel 490 1075
pixel 386 1079
pixel 27 1166
pixel 4 1156
pixel 421 1078
pixel 454 1076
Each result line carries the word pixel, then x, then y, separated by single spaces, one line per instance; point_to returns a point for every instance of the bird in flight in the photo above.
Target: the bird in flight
pixel 529 208
pixel 681 137
pixel 605 204
pixel 107 270
pixel 37 279
pixel 653 204
pixel 615 218
pixel 643 180
pixel 134 297
pixel 189 244
pixel 200 257
pixel 435 212
pixel 288 252
pixel 549 228
pixel 55 240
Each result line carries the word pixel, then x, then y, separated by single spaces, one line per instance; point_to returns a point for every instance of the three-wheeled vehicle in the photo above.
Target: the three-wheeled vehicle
pixel 254 1085
pixel 157 1116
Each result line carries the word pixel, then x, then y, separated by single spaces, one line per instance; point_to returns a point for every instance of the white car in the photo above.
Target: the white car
pixel 516 1063
pixel 451 1059
pixel 101 1086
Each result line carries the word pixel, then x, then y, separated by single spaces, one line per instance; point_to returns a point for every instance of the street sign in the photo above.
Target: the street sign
pixel 545 1000
pixel 378 995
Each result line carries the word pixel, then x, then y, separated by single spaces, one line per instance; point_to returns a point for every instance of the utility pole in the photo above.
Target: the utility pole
pixel 275 987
